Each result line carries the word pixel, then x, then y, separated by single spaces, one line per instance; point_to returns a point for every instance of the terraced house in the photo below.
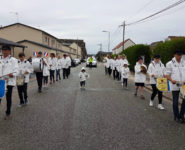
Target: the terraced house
pixel 38 40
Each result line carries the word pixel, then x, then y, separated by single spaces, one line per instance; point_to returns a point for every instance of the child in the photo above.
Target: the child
pixel 125 71
pixel 83 76
pixel 46 73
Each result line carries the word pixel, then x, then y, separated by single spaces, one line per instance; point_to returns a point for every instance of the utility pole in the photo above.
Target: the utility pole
pixel 123 25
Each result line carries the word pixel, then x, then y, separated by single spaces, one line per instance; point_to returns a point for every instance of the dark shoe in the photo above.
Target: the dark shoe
pixel 142 97
pixel 7 117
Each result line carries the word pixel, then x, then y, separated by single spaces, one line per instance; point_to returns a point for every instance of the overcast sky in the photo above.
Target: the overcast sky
pixel 86 19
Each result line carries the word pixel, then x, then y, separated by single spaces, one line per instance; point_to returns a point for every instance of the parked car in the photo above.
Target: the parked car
pixel 94 63
pixel 77 61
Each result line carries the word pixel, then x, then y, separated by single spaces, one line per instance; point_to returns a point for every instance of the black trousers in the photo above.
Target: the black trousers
pixel 155 92
pixel 178 113
pixel 106 70
pixel 82 83
pixel 69 70
pixel 52 75
pixel 114 74
pixel 22 91
pixel 45 79
pixel 90 64
pixel 125 81
pixel 109 71
pixel 9 99
pixel 65 73
pixel 39 76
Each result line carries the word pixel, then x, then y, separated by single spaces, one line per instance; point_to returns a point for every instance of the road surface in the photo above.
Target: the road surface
pixel 102 117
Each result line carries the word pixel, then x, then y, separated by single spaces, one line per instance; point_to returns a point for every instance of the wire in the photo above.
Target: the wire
pixel 159 12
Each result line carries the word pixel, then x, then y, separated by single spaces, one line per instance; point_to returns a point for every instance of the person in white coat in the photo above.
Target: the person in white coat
pixel 125 72
pixel 106 64
pixel 69 64
pixel 83 75
pixel 118 68
pixel 114 65
pixel 140 76
pixel 53 65
pixel 156 70
pixel 46 73
pixel 10 71
pixel 109 65
pixel 65 66
pixel 25 68
pixel 175 73
pixel 59 67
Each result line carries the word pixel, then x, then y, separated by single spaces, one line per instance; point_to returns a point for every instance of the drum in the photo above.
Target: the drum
pixel 2 88
pixel 20 80
pixel 36 63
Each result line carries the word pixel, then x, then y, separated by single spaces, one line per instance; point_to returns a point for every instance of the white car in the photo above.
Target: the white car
pixel 94 63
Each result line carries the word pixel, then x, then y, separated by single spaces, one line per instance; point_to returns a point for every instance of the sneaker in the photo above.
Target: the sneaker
pixel 151 104
pixel 27 102
pixel 20 105
pixel 160 106
pixel 122 84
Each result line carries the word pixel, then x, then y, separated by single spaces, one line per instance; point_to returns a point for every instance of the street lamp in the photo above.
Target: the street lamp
pixel 109 39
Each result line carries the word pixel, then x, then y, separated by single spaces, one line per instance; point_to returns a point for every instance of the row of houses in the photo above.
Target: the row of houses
pixel 128 43
pixel 31 39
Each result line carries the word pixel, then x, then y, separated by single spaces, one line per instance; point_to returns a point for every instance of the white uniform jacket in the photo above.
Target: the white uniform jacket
pixel 52 63
pixel 125 72
pixel 114 64
pixel 9 65
pixel 139 76
pixel 83 76
pixel 176 71
pixel 59 63
pixel 46 69
pixel 23 67
pixel 68 61
pixel 156 69
pixel 64 63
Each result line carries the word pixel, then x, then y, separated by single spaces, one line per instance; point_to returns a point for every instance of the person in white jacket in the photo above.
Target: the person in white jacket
pixel 25 68
pixel 140 76
pixel 69 64
pixel 65 66
pixel 9 71
pixel 156 70
pixel 53 65
pixel 59 67
pixel 46 73
pixel 175 73
pixel 125 72
pixel 83 75
pixel 114 64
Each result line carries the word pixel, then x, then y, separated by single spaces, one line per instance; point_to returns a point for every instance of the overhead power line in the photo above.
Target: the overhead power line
pixel 159 12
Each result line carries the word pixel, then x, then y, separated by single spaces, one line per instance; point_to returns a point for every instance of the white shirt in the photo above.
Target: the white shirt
pixel 69 61
pixel 125 72
pixel 156 69
pixel 59 63
pixel 176 71
pixel 46 69
pixel 139 76
pixel 25 66
pixel 9 65
pixel 114 64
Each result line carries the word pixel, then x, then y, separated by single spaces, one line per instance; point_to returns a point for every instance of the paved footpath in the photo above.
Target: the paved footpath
pixel 102 117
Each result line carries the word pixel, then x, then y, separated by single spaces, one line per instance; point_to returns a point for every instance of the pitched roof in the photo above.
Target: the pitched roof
pixel 176 37
pixel 43 45
pixel 121 44
pixel 27 27
pixel 10 43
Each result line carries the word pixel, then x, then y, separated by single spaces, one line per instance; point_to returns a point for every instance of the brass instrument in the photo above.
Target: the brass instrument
pixel 143 70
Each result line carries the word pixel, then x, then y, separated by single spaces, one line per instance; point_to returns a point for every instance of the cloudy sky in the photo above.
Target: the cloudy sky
pixel 86 19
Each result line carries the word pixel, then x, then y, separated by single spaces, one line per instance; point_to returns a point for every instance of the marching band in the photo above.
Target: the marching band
pixel 173 73
pixel 17 72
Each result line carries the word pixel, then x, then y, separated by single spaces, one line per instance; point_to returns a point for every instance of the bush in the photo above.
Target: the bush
pixel 135 51
pixel 167 49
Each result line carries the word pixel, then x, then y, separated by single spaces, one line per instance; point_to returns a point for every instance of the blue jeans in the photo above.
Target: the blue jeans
pixel 58 74
pixel 178 115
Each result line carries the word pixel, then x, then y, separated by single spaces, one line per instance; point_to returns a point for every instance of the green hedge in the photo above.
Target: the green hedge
pixel 135 51
pixel 167 49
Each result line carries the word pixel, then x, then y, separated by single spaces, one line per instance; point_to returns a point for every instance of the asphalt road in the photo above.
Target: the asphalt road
pixel 102 117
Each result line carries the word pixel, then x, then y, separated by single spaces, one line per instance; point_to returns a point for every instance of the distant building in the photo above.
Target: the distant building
pixel 174 38
pixel 154 44
pixel 119 47
pixel 36 40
